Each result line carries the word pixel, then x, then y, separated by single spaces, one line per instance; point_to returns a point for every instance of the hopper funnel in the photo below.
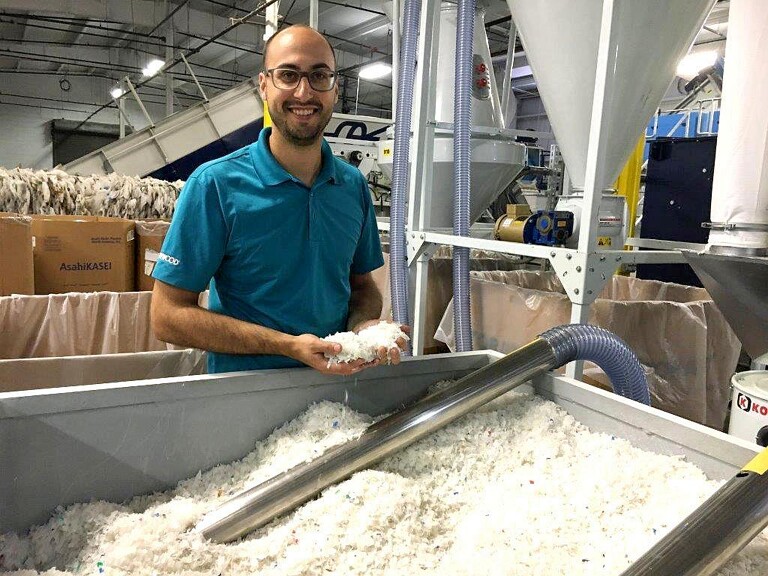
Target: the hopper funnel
pixel 561 39
pixel 739 286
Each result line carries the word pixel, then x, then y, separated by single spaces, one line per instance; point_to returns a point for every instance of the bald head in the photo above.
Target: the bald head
pixel 291 35
pixel 299 112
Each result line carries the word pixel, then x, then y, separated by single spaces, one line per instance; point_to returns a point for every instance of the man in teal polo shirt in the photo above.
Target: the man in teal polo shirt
pixel 284 232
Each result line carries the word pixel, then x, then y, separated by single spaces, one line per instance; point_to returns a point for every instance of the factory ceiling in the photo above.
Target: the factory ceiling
pixel 221 39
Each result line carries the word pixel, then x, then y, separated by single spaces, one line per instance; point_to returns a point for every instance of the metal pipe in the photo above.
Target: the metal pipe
pixel 261 504
pixel 506 87
pixel 714 532
pixel 192 73
pixel 314 11
pixel 138 101
pixel 169 79
pixel 121 116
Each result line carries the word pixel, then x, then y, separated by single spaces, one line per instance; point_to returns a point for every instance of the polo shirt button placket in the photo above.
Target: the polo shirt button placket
pixel 312 227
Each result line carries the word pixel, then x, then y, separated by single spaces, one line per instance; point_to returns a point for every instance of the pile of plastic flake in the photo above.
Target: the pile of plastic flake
pixel 517 487
pixel 365 344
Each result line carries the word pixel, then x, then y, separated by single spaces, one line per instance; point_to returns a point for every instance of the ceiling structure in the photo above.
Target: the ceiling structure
pixel 116 38
pixel 112 39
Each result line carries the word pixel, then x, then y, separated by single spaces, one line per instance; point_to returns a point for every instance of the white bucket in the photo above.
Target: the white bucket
pixel 749 406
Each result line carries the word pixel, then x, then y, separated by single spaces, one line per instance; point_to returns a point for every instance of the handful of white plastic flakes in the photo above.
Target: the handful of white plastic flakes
pixel 364 345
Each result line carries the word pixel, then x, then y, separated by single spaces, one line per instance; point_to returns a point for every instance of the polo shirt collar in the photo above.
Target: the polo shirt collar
pixel 272 173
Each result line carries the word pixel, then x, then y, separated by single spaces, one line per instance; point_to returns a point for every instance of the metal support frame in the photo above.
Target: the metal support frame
pixel 496 133
pixel 122 118
pixel 314 13
pixel 271 20
pixel 595 170
pixel 506 89
pixel 582 275
pixel 138 101
pixel 583 271
pixel 207 107
pixel 169 78
pixel 192 73
pixel 420 176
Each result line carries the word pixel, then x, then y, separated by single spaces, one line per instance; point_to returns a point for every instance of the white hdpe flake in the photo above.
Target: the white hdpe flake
pixel 365 344
pixel 517 487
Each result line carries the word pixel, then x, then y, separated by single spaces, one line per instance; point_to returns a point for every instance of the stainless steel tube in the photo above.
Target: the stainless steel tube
pixel 261 504
pixel 713 533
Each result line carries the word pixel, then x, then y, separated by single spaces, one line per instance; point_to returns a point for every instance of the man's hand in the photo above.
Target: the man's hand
pixel 311 350
pixel 391 356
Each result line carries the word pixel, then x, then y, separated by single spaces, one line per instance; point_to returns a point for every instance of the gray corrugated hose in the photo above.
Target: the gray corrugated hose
pixel 462 158
pixel 573 342
pixel 397 252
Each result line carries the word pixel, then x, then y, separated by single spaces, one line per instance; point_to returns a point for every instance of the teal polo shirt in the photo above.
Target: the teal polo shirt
pixel 276 253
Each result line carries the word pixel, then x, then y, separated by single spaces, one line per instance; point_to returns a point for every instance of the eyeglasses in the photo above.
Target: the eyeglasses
pixel 320 80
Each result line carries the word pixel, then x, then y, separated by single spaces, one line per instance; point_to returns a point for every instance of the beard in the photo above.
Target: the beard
pixel 297 133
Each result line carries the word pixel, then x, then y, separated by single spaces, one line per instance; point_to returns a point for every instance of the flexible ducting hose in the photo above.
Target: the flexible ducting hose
pixel 573 342
pixel 462 157
pixel 400 159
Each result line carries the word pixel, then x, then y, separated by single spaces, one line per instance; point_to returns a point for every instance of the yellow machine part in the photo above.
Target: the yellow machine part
pixel 267 117
pixel 509 228
pixel 628 184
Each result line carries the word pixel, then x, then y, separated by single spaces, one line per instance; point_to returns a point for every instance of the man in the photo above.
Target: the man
pixel 286 231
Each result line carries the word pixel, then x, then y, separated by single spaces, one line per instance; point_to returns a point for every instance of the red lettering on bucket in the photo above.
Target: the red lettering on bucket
pixel 759 409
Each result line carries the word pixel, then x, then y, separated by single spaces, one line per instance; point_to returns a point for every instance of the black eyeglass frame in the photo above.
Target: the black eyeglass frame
pixel 302 75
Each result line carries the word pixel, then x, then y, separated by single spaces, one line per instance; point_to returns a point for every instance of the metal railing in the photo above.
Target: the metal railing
pixel 701 109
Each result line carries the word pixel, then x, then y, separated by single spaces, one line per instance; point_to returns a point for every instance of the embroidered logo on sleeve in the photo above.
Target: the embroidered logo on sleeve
pixel 170 259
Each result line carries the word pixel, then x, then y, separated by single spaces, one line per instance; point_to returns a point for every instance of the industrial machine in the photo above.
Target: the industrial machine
pixel 544 227
pixel 497 160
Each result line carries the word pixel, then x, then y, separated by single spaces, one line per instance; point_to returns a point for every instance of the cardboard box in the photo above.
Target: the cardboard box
pixel 149 240
pixel 16 262
pixel 83 254
pixel 517 210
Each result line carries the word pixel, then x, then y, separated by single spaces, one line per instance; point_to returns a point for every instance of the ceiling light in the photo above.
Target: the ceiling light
pixel 152 68
pixel 116 92
pixel 375 70
pixel 694 63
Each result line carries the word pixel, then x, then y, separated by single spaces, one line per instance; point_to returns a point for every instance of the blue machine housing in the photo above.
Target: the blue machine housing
pixel 548 227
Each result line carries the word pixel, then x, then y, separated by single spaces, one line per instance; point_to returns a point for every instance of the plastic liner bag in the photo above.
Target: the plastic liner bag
pixel 77 323
pixel 682 339
pixel 440 284
pixel 36 373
